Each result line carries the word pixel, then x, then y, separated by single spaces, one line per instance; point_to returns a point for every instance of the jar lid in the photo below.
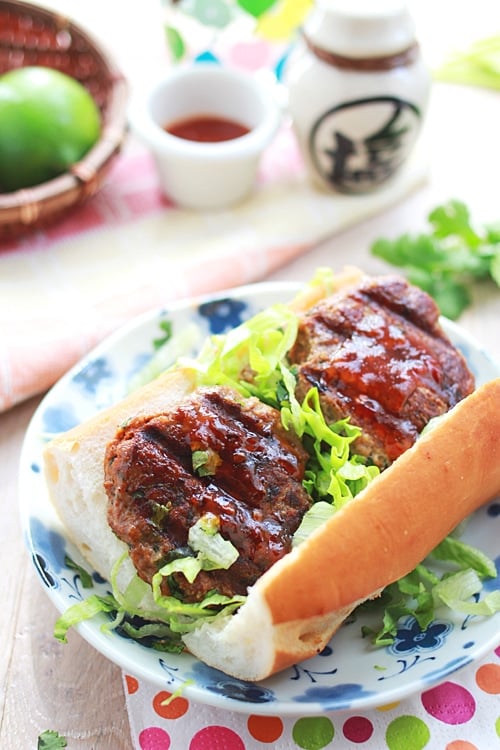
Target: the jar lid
pixel 361 28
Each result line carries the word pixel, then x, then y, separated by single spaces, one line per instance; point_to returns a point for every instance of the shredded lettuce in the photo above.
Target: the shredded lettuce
pixel 248 357
pixel 163 620
pixel 183 617
pixel 457 590
pixel 214 552
pixel 84 610
pixel 315 517
pixel 322 284
pixel 466 557
pixel 157 634
pixel 424 590
pixel 332 472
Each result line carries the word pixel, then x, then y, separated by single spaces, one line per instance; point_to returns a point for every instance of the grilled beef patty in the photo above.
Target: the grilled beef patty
pixel 254 487
pixel 378 355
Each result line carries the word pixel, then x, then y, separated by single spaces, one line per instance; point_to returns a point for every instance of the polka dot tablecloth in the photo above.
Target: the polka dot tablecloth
pixel 462 713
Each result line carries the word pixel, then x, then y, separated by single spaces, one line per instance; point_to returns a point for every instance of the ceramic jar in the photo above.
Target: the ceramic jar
pixel 357 92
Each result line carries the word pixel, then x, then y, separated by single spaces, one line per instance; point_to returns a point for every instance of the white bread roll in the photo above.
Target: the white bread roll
pixel 74 471
pixel 295 607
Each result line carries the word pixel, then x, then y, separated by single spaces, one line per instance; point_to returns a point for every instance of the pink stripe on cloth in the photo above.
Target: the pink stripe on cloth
pixel 128 250
pixel 35 353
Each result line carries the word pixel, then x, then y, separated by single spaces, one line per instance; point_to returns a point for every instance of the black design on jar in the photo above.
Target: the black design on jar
pixel 358 145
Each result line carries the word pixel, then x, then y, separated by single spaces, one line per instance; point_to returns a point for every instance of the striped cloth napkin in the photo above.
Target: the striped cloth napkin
pixel 129 250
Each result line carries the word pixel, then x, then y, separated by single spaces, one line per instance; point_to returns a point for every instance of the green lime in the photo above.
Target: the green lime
pixel 48 121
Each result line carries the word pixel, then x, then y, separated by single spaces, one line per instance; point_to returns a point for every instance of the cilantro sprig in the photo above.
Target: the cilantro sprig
pixel 449 259
pixel 51 740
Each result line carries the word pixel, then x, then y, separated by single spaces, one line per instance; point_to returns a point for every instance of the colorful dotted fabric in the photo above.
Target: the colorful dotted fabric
pixel 462 713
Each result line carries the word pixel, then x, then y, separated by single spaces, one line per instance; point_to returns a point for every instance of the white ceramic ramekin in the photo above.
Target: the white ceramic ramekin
pixel 206 175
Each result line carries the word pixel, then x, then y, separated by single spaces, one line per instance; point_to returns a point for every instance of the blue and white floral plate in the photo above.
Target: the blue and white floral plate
pixel 349 674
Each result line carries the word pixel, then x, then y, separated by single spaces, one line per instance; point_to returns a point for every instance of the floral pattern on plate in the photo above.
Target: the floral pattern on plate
pixel 349 674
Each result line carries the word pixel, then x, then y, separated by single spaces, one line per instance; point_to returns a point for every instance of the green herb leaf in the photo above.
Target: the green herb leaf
pixel 167 349
pixel 205 462
pixel 495 268
pixel 175 43
pixel 166 329
pixel 85 577
pixel 448 259
pixel 453 218
pixel 479 65
pixel 51 740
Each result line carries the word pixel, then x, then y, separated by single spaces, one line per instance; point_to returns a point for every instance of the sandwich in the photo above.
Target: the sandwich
pixel 224 499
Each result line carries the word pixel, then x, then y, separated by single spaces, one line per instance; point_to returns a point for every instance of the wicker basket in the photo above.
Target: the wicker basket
pixel 31 35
